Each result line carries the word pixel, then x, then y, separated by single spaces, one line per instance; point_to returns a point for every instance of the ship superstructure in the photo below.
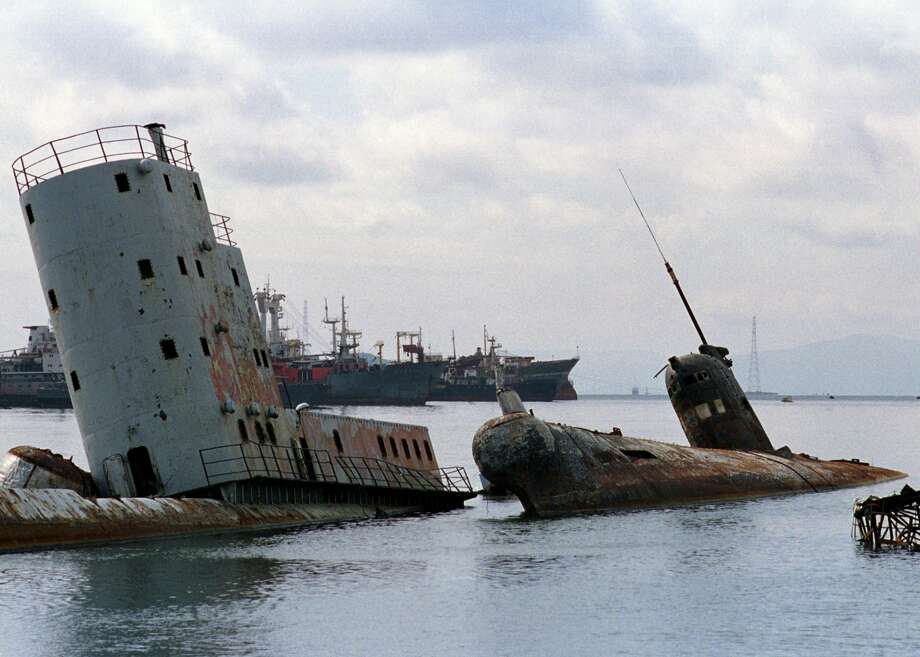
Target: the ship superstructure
pixel 164 354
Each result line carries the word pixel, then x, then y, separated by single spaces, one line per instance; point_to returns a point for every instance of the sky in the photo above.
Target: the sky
pixel 449 164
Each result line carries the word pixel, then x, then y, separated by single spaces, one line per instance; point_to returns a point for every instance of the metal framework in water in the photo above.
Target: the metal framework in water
pixel 888 522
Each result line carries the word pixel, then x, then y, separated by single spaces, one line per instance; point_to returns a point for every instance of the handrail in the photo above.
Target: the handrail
pixel 375 472
pixel 226 463
pixel 128 141
pixel 222 231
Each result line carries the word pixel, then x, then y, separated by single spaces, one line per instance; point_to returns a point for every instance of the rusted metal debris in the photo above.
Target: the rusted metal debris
pixel 32 467
pixel 888 522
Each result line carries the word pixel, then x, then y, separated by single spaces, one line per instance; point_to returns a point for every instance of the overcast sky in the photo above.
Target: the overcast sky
pixel 452 164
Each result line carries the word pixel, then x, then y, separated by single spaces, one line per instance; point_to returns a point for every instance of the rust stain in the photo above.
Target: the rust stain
pixel 45 518
pixel 223 359
pixel 359 437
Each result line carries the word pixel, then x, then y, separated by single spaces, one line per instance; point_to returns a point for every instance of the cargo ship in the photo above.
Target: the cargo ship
pixel 346 376
pixel 473 378
pixel 33 376
pixel 174 395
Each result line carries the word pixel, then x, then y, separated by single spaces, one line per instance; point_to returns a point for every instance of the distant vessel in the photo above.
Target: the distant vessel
pixel 345 376
pixel 167 366
pixel 472 378
pixel 33 376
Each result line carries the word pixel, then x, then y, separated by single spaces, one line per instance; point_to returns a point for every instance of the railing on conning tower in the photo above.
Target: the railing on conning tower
pixel 119 142
pixel 222 231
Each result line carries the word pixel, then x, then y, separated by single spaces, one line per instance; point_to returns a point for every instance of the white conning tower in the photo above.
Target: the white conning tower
pixel 160 341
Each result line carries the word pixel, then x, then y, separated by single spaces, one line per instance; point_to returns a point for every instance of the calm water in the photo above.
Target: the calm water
pixel 778 576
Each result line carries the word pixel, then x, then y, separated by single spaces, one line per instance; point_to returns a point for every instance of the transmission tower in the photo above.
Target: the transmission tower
pixel 754 365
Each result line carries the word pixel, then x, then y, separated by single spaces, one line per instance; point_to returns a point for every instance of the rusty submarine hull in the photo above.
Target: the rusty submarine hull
pixel 556 469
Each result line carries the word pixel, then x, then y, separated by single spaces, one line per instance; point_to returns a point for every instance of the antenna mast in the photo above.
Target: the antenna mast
pixel 754 365
pixel 667 265
pixel 333 322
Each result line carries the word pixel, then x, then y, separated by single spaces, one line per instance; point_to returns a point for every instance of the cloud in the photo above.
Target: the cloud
pixel 367 27
pixel 275 165
pixel 475 144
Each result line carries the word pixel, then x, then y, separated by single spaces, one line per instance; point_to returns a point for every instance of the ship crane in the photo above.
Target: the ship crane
pixel 413 346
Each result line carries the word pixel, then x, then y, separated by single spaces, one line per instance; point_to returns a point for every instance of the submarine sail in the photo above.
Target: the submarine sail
pixel 710 403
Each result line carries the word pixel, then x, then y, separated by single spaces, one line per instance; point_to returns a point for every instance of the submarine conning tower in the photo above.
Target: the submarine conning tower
pixel 710 404
pixel 160 341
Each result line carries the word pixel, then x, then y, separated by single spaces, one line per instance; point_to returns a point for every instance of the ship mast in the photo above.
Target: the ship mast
pixel 333 322
pixel 667 265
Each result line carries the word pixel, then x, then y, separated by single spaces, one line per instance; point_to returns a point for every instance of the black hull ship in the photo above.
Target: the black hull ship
pixel 473 378
pixel 396 384
pixel 346 376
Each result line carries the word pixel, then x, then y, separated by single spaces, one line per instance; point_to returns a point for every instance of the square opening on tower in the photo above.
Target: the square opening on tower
pixel 168 347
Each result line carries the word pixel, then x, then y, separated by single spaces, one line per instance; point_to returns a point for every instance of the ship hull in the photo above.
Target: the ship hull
pixel 35 519
pixel 404 384
pixel 539 381
pixel 33 390
pixel 557 470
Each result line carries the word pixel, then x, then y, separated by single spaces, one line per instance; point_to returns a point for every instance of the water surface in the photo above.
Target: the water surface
pixel 777 576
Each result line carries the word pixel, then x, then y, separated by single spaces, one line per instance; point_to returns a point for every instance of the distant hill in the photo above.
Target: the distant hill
pixel 854 365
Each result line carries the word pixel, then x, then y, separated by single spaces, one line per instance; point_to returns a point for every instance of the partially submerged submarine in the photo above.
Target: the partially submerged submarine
pixel 555 469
